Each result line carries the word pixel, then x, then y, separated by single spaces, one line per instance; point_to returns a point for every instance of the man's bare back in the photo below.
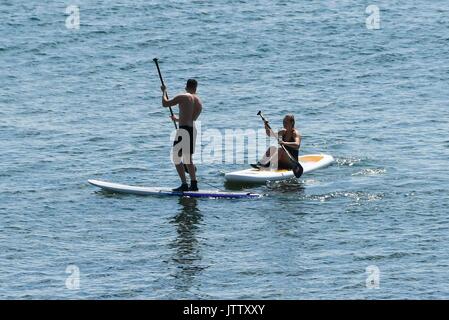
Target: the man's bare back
pixel 190 107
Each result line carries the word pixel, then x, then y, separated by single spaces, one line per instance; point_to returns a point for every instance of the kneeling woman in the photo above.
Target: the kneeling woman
pixel 289 137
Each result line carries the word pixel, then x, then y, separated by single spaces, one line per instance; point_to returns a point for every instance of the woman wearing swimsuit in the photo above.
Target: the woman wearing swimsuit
pixel 275 157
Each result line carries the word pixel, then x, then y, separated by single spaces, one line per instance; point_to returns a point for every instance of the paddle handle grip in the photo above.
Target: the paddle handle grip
pixel 166 94
pixel 266 123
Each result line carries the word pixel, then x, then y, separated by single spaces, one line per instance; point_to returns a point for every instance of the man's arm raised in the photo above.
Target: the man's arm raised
pixel 170 102
pixel 167 102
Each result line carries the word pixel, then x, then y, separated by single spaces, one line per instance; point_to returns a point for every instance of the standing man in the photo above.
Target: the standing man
pixel 190 107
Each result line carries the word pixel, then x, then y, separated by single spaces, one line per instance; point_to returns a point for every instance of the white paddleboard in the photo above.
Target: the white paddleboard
pixel 310 162
pixel 122 188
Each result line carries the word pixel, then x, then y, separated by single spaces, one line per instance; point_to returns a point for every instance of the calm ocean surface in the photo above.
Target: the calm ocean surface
pixel 81 104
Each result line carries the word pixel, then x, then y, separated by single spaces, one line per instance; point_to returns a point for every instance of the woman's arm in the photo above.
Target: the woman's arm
pixel 294 144
pixel 270 131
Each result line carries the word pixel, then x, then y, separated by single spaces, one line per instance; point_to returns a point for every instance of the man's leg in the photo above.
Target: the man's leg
pixel 191 167
pixel 188 161
pixel 177 157
pixel 181 172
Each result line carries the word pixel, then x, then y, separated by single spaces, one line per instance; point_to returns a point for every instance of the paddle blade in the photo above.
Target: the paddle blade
pixel 298 170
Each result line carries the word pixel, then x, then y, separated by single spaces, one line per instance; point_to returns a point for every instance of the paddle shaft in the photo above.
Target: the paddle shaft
pixel 295 161
pixel 166 94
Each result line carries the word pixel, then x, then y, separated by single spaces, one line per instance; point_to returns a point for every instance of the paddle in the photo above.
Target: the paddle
pixel 166 94
pixel 297 168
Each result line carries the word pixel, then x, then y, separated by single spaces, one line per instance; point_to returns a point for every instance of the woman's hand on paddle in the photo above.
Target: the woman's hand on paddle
pixel 163 88
pixel 173 117
pixel 267 128
pixel 269 131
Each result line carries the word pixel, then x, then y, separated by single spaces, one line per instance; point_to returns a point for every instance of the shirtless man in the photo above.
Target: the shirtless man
pixel 190 107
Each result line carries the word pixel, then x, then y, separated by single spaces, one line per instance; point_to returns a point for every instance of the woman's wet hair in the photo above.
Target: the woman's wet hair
pixel 290 118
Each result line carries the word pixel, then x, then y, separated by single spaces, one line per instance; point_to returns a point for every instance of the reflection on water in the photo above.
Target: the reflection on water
pixel 286 186
pixel 241 185
pixel 282 186
pixel 187 256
